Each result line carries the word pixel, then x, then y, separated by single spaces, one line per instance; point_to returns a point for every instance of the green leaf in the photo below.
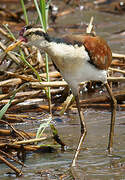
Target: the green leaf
pixel 39 13
pixel 43 126
pixel 24 11
pixel 9 31
pixel 4 109
pixel 43 13
pixel 29 65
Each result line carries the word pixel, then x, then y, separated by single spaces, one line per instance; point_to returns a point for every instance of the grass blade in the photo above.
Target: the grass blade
pixel 9 31
pixel 24 11
pixel 39 13
pixel 43 126
pixel 4 109
pixel 28 64
pixel 43 13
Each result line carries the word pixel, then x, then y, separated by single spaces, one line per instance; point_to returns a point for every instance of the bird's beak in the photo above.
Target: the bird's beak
pixel 13 45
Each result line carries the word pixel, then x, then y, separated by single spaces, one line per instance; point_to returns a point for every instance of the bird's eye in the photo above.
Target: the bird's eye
pixel 25 29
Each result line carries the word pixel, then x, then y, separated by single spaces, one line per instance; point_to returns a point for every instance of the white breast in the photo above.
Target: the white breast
pixel 67 56
pixel 73 64
pixel 84 73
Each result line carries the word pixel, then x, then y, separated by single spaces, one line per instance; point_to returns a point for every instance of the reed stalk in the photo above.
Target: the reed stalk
pixel 24 12
pixel 42 11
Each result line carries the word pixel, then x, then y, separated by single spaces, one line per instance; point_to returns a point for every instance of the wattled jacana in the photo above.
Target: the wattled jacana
pixel 78 58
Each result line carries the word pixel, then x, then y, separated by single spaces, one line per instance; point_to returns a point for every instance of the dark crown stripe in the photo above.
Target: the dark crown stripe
pixel 41 33
pixel 28 27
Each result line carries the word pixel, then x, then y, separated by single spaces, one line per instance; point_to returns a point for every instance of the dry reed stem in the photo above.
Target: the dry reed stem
pixel 7 132
pixel 117 70
pixel 10 82
pixel 17 171
pixel 5 33
pixel 11 157
pixel 17 81
pixel 30 141
pixel 17 132
pixel 54 74
pixel 28 93
pixel 10 54
pixel 118 56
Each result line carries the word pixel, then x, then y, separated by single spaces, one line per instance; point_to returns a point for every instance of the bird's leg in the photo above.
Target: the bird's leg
pixel 83 131
pixel 113 115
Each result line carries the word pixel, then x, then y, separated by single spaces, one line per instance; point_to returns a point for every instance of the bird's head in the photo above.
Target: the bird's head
pixel 34 36
pixel 31 36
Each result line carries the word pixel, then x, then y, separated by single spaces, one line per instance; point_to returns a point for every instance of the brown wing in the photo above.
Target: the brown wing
pixel 99 51
pixel 97 48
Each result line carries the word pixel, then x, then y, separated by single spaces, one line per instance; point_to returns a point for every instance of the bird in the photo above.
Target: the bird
pixel 78 57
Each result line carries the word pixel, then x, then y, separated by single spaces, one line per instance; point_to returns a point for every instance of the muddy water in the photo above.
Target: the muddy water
pixel 93 161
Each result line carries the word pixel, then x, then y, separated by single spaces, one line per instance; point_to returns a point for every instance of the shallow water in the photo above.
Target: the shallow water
pixel 93 161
